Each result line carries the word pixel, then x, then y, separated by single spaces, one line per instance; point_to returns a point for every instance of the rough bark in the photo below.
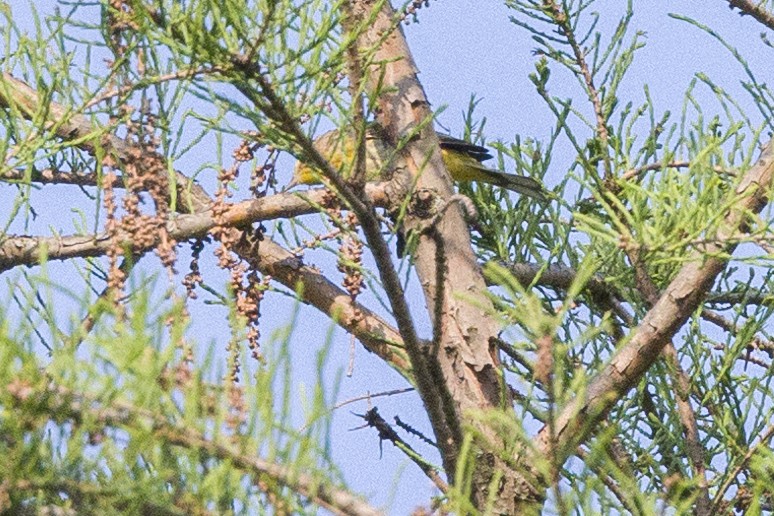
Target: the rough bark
pixel 462 353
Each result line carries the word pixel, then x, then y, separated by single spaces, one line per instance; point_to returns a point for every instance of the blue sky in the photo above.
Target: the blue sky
pixel 464 48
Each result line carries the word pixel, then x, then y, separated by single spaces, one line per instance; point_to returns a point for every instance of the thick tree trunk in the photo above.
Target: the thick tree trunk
pixel 469 373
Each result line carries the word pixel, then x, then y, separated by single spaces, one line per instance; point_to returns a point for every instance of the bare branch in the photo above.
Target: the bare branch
pixel 268 257
pixel 395 70
pixel 753 297
pixel 561 277
pixel 50 176
pixel 470 377
pixel 187 73
pixel 687 418
pixel 767 346
pixel 376 334
pixel 756 10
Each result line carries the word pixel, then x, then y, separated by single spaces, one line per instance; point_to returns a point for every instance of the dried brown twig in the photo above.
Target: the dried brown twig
pixel 268 257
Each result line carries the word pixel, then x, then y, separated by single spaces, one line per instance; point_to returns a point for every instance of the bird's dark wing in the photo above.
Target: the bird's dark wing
pixel 477 152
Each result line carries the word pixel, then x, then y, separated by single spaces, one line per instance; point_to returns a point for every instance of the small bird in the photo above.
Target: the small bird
pixel 462 159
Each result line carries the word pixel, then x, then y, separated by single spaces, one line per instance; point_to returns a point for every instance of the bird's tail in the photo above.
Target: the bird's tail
pixel 520 184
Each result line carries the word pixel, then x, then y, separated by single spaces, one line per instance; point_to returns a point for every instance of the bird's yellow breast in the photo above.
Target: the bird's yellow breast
pixel 340 153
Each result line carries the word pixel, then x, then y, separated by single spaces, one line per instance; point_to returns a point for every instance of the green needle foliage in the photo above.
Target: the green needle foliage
pixel 130 421
pixel 148 137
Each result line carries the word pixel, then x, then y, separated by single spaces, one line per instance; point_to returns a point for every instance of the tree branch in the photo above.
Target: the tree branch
pixel 268 257
pixel 278 206
pixel 756 10
pixel 562 19
pixel 374 332
pixel 70 126
pixel 578 419
pixel 561 277
pixel 65 403
pixel 466 359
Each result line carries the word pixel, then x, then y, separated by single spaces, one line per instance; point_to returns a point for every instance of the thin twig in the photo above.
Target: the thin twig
pixel 270 258
pixel 681 298
pixel 634 172
pixel 767 346
pixel 145 82
pixel 685 411
pixel 731 477
pixel 562 19
pixel 386 432
pixel 562 277
pixel 79 407
pixel 370 225
pixel 687 417
pixel 365 397
pixel 370 396
pixel 614 488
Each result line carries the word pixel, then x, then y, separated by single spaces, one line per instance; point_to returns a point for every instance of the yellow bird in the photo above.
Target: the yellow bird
pixel 462 159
